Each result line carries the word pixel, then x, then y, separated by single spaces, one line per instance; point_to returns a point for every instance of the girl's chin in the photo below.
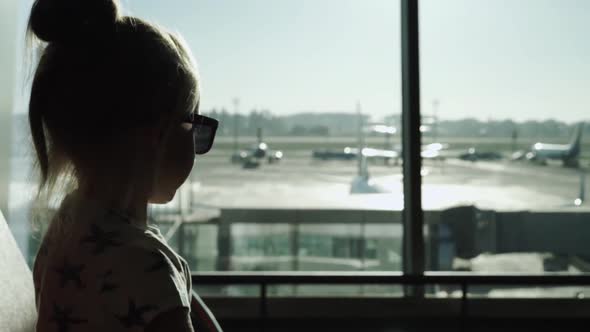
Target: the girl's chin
pixel 162 198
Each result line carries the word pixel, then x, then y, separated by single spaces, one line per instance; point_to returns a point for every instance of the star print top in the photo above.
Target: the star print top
pixel 96 271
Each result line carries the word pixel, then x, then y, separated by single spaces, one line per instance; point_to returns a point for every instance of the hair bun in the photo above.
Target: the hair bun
pixel 72 20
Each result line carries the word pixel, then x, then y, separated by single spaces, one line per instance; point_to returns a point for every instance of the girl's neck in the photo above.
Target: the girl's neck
pixel 119 200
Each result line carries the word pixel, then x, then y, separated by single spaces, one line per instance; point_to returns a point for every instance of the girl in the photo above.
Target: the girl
pixel 113 115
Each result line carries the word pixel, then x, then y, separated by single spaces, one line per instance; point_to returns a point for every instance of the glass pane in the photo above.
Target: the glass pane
pixel 504 146
pixel 21 188
pixel 299 88
pixel 304 173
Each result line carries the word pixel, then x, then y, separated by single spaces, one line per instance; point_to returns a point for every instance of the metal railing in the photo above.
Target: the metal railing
pixel 464 280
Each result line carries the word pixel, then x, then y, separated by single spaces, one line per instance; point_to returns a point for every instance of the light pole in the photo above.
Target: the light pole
pixel 236 102
pixel 361 142
pixel 435 104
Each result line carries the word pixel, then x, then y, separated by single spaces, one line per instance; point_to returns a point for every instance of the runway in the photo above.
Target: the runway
pixel 299 182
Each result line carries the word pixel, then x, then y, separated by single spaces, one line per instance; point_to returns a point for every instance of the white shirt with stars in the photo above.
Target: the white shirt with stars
pixel 96 271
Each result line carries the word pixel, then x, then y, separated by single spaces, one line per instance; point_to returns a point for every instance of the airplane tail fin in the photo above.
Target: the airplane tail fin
pixel 363 170
pixel 576 142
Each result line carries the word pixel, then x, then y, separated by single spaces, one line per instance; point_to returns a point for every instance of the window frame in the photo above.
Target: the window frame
pixel 413 261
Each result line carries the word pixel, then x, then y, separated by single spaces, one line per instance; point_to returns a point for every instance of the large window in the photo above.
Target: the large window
pixel 299 88
pixel 307 94
pixel 306 173
pixel 503 94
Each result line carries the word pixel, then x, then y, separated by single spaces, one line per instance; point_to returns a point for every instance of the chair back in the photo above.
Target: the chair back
pixel 18 311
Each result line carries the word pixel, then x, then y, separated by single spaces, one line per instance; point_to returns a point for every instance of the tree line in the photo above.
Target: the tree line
pixel 343 124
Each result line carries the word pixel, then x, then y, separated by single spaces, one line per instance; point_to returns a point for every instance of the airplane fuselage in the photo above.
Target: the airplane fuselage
pixel 541 152
pixel 568 153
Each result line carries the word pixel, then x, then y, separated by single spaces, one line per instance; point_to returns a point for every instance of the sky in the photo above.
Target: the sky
pixel 488 59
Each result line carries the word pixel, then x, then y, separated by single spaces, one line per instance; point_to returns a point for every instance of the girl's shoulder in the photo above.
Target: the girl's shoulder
pixel 114 267
pixel 131 245
pixel 111 244
pixel 104 234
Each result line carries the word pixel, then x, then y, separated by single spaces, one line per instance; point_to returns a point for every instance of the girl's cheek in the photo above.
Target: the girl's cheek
pixel 186 151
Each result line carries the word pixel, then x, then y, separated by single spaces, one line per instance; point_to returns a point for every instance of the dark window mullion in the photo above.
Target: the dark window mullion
pixel 413 240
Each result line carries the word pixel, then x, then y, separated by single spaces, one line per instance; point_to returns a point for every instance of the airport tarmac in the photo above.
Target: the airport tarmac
pixel 299 182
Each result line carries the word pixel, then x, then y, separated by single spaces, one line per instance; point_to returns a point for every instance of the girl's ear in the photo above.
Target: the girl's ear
pixel 151 136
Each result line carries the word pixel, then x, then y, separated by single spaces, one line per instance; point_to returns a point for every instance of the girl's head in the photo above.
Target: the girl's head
pixel 110 99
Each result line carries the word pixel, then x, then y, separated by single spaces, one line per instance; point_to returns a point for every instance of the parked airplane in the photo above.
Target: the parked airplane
pixel 434 151
pixel 569 153
pixel 474 154
pixel 350 153
pixel 251 158
pixel 362 182
pixel 393 155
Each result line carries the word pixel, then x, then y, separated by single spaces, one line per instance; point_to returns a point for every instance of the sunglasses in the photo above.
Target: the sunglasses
pixel 204 129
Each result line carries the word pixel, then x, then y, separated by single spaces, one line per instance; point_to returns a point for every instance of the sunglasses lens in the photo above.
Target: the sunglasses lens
pixel 204 136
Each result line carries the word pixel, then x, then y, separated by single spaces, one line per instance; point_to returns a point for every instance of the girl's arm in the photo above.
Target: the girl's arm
pixel 202 317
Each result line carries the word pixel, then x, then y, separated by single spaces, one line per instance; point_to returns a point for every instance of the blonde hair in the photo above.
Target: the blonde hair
pixel 100 76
